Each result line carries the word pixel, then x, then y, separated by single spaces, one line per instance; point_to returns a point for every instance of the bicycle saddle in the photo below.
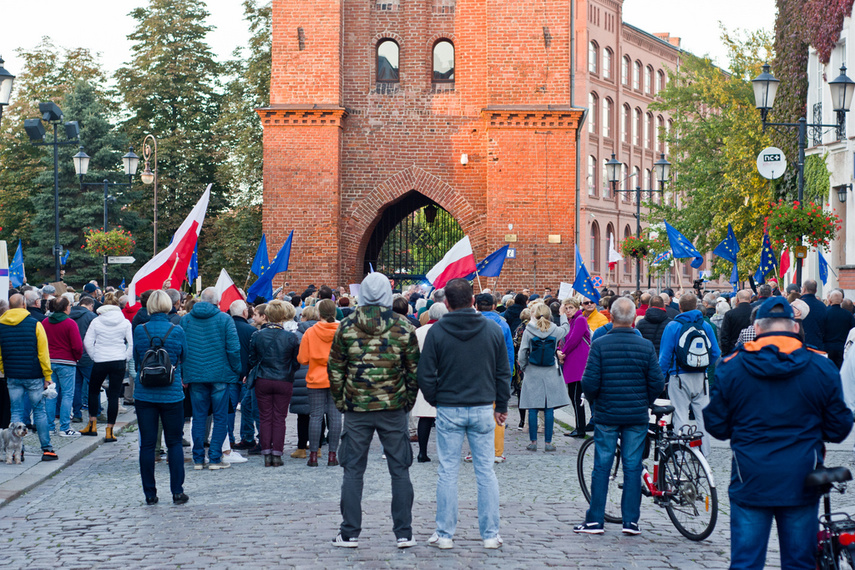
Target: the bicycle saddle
pixel 827 475
pixel 660 411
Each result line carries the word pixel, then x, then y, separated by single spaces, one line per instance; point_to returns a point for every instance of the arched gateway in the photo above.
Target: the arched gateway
pixel 353 157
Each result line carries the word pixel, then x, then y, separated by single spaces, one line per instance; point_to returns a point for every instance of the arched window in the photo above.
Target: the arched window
pixel 622 183
pixel 607 117
pixel 607 186
pixel 661 80
pixel 637 126
pixel 593 56
pixel 592 176
pixel 651 132
pixel 637 181
pixel 595 248
pixel 388 62
pixel 607 63
pixel 660 132
pixel 627 124
pixel 624 70
pixel 627 260
pixel 594 106
pixel 648 183
pixel 443 62
pixel 636 76
pixel 648 80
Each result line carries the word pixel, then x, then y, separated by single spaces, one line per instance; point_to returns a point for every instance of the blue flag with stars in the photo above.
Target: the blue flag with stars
pixel 263 286
pixel 193 268
pixel 823 268
pixel 767 261
pixel 729 247
pixel 122 285
pixel 583 284
pixel 64 258
pixel 16 268
pixel 492 265
pixel 681 247
pixel 261 262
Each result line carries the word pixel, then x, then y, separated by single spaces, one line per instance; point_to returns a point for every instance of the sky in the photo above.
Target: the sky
pixel 103 25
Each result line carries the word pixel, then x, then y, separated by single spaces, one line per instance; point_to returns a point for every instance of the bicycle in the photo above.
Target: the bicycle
pixel 835 547
pixel 682 481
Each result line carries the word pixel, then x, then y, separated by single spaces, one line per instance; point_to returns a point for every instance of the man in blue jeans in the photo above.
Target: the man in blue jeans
pixel 777 401
pixel 622 379
pixel 463 371
pixel 212 363
pixel 83 314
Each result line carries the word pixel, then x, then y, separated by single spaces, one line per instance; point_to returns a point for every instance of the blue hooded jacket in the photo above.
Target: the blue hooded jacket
pixel 776 401
pixel 213 348
pixel 668 344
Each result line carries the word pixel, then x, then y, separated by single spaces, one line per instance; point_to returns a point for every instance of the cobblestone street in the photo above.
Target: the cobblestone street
pixel 93 515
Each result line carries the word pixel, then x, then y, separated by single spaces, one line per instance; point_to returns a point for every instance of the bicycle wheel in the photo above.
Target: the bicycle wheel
pixel 584 467
pixel 691 498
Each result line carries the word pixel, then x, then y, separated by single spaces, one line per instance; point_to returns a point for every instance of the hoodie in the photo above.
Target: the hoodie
pixel 777 401
pixel 315 351
pixel 109 336
pixel 465 362
pixel 213 346
pixel 24 352
pixel 653 325
pixel 668 345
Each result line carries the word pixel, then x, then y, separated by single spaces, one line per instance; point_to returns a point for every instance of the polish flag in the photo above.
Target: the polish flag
pixel 458 262
pixel 172 262
pixel 785 262
pixel 227 290
pixel 614 256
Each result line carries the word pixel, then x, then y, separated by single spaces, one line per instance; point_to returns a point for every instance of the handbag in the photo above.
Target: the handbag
pixel 252 376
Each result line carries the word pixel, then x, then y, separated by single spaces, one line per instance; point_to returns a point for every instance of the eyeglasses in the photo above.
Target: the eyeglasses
pixel 587 303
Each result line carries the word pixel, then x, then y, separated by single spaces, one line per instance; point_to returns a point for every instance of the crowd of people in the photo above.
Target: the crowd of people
pixel 404 364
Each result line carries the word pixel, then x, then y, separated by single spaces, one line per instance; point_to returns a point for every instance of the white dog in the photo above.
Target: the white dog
pixel 12 441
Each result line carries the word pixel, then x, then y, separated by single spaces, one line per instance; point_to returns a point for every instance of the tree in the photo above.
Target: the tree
pixel 714 144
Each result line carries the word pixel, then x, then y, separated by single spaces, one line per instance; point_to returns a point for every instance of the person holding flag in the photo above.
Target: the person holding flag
pixel 459 261
pixel 681 247
pixel 263 286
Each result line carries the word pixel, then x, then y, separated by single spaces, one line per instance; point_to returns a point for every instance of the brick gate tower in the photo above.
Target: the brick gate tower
pixel 465 104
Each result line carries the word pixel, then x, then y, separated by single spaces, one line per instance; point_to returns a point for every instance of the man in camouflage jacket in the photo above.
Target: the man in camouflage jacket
pixel 372 370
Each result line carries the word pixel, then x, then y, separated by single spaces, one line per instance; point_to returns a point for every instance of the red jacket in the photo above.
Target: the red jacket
pixel 130 311
pixel 64 343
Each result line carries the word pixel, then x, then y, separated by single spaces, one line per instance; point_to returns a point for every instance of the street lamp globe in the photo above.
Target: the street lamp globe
pixel 662 168
pixel 147 175
pixel 613 169
pixel 765 89
pixel 130 161
pixel 6 81
pixel 81 163
pixel 842 90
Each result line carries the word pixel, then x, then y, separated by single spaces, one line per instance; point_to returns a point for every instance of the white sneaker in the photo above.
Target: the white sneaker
pixel 69 433
pixel 234 457
pixel 499 459
pixel 341 542
pixel 439 542
pixel 493 543
pixel 406 542
pixel 468 458
pixel 123 410
pixel 221 465
pixel 198 466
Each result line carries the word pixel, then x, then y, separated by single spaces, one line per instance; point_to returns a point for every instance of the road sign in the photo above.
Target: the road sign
pixel 512 253
pixel 771 163
pixel 117 259
pixel 596 281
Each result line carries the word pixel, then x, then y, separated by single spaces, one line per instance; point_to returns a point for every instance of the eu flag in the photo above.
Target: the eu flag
pixel 729 247
pixel 492 265
pixel 681 247
pixel 64 258
pixel 734 277
pixel 823 268
pixel 193 268
pixel 261 262
pixel 583 283
pixel 767 260
pixel 263 286
pixel 16 268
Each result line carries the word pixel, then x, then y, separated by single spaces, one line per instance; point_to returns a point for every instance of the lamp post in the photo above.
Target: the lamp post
pixel 148 176
pixel 6 81
pixel 81 166
pixel 766 88
pixel 52 114
pixel 613 170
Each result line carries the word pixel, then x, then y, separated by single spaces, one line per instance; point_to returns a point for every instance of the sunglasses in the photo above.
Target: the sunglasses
pixel 587 303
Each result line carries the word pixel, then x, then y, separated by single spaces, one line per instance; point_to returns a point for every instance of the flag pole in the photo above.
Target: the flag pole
pixel 171 271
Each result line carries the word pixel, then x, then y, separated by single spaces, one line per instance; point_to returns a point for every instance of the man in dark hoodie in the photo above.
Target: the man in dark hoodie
pixel 82 314
pixel 654 322
pixel 776 401
pixel 464 370
pixel 372 373
pixel 512 314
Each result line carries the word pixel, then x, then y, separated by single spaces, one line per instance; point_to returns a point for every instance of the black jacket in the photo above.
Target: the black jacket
pixel 276 350
pixel 653 325
pixel 300 395
pixel 464 362
pixel 244 332
pixel 36 313
pixel 814 323
pixel 734 321
pixel 141 318
pixel 838 323
pixel 82 316
pixel 512 315
pixel 671 312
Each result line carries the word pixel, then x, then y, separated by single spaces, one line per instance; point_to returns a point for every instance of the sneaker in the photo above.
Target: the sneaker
pixel 406 542
pixel 123 410
pixel 49 456
pixel 499 459
pixel 589 528
pixel 468 458
pixel 631 528
pixel 549 447
pixel 440 542
pixel 343 542
pixel 531 447
pixel 234 457
pixel 220 465
pixel 493 543
pixel 69 433
pixel 198 466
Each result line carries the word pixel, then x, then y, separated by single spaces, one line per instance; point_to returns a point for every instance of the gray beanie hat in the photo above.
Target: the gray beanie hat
pixel 376 290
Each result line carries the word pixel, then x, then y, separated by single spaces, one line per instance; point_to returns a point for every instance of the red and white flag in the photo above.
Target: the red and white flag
pixel 227 290
pixel 614 256
pixel 785 263
pixel 458 262
pixel 172 262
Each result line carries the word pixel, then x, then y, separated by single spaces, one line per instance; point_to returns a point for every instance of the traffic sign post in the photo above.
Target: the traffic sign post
pixel 120 259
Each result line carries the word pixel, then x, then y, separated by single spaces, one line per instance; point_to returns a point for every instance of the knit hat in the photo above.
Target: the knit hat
pixel 376 290
pixel 90 288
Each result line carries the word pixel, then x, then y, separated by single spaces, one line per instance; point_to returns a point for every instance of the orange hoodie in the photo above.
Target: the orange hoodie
pixel 315 351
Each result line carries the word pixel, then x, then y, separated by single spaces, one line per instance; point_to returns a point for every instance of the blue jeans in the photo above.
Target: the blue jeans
pixel 234 399
pixel 749 535
pixel 63 376
pixel 30 391
pixel 631 448
pixel 172 416
pixel 477 424
pixel 548 424
pixel 249 420
pixel 205 397
pixel 81 391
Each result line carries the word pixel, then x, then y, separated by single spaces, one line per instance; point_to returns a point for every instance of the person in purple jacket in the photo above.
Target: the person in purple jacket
pixel 574 356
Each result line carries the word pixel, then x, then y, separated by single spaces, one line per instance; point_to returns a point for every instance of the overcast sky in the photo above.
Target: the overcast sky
pixel 103 25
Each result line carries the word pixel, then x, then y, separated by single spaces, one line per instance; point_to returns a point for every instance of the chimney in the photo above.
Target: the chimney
pixel 666 37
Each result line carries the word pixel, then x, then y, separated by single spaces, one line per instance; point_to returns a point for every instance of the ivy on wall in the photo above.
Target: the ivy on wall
pixel 817 179
pixel 824 19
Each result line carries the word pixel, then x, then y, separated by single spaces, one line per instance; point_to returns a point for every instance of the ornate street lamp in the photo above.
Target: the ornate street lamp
pixel 6 81
pixel 149 176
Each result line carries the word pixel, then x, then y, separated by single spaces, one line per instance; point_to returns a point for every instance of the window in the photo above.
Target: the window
pixel 637 182
pixel 610 239
pixel 661 80
pixel 624 70
pixel 637 127
pixel 627 260
pixel 443 62
pixel 443 7
pixel 636 76
pixel 593 56
pixel 607 186
pixel 648 183
pixel 607 63
pixel 387 5
pixel 607 117
pixel 648 80
pixel 594 106
pixel 660 132
pixel 627 123
pixel 595 248
pixel 592 176
pixel 651 131
pixel 387 62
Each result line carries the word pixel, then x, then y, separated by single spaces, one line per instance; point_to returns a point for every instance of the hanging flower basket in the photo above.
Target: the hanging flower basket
pixel 113 242
pixel 636 248
pixel 788 224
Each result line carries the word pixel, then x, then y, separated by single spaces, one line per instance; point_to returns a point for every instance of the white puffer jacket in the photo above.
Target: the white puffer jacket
pixel 109 337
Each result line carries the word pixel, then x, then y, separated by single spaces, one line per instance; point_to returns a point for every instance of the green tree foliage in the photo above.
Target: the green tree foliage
pixel 817 179
pixel 229 242
pixel 714 144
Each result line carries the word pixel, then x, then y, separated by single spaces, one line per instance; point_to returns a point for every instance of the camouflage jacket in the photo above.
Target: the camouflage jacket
pixel 373 362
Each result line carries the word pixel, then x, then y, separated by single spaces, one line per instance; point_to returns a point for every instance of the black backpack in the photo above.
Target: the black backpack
pixel 156 369
pixel 693 348
pixel 542 351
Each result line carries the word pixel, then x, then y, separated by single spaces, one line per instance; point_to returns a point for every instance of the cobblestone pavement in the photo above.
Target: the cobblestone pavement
pixel 92 514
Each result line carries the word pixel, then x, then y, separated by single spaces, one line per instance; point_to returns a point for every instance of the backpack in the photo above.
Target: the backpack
pixel 542 351
pixel 156 369
pixel 693 348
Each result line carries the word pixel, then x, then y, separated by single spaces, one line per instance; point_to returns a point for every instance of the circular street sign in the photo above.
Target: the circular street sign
pixel 597 281
pixel 771 163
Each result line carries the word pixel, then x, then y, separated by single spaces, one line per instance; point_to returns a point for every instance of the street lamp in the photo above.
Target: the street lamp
pixel 662 168
pixel 766 87
pixel 81 166
pixel 52 114
pixel 6 81
pixel 148 176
